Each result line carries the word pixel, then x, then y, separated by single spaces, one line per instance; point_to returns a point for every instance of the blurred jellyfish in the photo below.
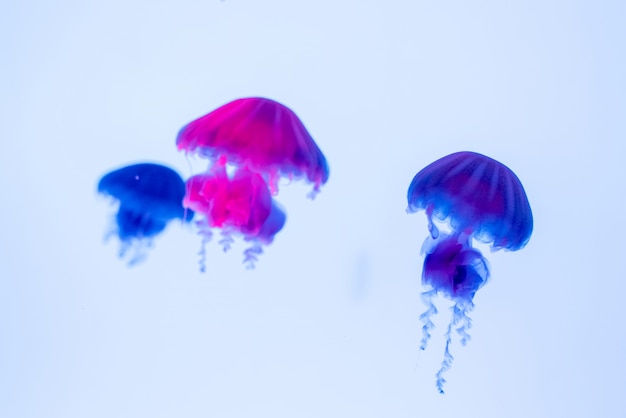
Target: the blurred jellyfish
pixel 238 205
pixel 260 134
pixel 251 144
pixel 481 199
pixel 149 196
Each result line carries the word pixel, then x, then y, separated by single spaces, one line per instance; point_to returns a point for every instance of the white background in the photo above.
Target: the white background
pixel 328 323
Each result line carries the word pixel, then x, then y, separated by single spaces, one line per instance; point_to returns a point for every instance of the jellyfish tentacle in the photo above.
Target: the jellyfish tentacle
pixel 427 298
pixel 459 316
pixel 313 193
pixel 139 254
pixel 447 360
pixel 135 250
pixel 462 309
pixel 251 255
pixel 226 241
pixel 432 228
pixel 205 232
pixel 125 246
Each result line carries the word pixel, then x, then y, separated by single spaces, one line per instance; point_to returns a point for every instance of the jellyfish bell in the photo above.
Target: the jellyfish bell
pixel 149 196
pixel 454 268
pixel 260 134
pixel 474 193
pixel 482 199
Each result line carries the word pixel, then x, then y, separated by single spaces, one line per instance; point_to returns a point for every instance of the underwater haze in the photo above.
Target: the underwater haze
pixel 328 323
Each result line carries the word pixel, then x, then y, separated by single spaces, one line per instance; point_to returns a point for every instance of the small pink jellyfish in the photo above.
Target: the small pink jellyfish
pixel 261 134
pixel 251 144
pixel 239 205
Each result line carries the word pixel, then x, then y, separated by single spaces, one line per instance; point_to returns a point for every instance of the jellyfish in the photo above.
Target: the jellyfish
pixel 149 196
pixel 260 134
pixel 265 234
pixel 239 205
pixel 482 200
pixel 248 142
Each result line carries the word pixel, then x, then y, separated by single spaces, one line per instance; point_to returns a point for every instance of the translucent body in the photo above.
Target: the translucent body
pixel 454 267
pixel 481 199
pixel 260 134
pixel 150 196
pixel 238 205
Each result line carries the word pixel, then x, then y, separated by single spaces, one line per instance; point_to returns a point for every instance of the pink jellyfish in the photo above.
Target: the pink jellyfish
pixel 259 141
pixel 261 134
pixel 240 205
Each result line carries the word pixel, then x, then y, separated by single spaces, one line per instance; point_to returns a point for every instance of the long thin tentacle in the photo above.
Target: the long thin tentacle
pixel 427 298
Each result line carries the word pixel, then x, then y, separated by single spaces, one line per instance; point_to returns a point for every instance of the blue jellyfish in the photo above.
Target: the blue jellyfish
pixel 481 199
pixel 149 196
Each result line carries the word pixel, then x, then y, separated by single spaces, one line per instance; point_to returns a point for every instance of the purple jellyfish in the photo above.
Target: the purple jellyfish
pixel 481 199
pixel 260 134
pixel 149 196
